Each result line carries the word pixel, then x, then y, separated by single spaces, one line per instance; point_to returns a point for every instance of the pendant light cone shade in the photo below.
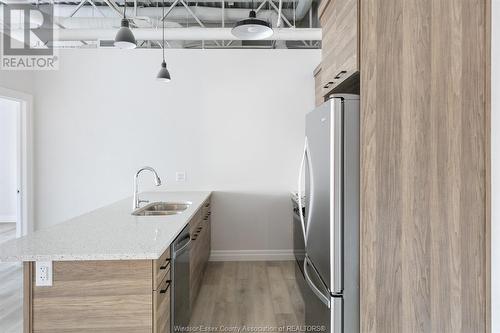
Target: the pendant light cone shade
pixel 163 74
pixel 125 38
pixel 252 28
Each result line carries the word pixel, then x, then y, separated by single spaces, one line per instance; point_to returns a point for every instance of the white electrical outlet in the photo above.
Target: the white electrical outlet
pixel 43 273
pixel 180 176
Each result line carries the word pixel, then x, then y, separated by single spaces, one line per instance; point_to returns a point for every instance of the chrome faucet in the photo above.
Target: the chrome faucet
pixel 137 201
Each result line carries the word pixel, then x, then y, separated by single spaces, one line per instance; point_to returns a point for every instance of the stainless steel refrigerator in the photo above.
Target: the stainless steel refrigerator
pixel 329 177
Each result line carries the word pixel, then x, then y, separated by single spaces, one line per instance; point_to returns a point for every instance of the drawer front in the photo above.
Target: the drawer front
pixel 160 268
pixel 339 21
pixel 200 251
pixel 161 312
pixel 193 223
pixel 206 208
pixel 205 243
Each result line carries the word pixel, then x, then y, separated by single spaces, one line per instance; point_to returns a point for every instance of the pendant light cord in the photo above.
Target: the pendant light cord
pixel 163 27
pixel 125 9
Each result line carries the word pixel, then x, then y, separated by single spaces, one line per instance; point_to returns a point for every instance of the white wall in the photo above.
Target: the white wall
pixel 495 167
pixel 17 80
pixel 232 119
pixel 9 113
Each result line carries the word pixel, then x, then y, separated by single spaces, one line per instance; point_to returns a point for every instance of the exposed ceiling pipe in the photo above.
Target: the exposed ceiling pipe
pixel 57 3
pixel 178 14
pixel 194 33
pixel 91 23
pixel 302 8
pixel 147 18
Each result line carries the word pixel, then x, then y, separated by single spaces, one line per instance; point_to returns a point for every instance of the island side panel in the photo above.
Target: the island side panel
pixel 96 296
pixel 27 295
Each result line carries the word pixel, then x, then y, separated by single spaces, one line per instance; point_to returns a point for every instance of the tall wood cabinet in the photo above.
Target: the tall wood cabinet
pixel 424 165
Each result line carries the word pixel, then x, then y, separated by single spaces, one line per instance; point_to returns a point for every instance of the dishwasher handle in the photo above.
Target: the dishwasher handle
pixel 178 249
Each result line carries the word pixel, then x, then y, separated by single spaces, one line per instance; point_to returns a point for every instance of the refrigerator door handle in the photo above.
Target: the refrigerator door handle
pixel 299 195
pixel 311 190
pixel 324 299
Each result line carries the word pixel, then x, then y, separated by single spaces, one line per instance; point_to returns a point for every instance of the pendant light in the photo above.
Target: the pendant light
pixel 124 37
pixel 252 28
pixel 163 74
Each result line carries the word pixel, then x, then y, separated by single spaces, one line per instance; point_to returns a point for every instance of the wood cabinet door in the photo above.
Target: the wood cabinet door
pixel 318 87
pixel 200 249
pixel 200 252
pixel 205 241
pixel 195 265
pixel 339 22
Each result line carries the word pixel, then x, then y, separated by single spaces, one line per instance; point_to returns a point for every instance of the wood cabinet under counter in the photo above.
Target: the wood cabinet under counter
pixel 97 296
pixel 100 296
pixel 115 287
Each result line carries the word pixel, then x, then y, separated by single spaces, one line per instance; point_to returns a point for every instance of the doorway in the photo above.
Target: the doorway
pixel 10 136
pixel 15 198
pixel 16 161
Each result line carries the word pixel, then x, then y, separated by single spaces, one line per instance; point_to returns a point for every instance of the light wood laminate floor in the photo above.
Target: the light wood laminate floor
pixel 11 294
pixel 262 295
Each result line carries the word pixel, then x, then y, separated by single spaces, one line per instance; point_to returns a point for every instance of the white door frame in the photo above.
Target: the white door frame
pixel 24 223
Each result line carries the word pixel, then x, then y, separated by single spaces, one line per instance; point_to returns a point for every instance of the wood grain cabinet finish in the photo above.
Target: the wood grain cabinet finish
pixel 91 296
pixel 318 87
pixel 200 249
pixel 424 152
pixel 161 306
pixel 339 22
pixel 161 267
pixel 100 296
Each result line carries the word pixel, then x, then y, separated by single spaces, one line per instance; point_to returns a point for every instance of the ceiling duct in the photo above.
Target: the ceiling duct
pixel 193 34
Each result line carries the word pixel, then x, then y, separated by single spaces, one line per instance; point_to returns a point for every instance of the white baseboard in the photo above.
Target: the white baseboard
pixel 251 255
pixel 8 218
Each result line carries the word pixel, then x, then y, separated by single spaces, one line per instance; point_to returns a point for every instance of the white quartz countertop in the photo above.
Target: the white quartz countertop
pixel 108 233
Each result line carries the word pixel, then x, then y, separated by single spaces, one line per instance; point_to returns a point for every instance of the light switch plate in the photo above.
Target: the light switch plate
pixel 43 272
pixel 180 176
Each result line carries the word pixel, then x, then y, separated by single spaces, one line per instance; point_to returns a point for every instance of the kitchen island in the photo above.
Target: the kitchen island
pixel 110 269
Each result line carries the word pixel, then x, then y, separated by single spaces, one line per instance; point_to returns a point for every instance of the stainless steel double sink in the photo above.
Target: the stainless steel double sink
pixel 162 208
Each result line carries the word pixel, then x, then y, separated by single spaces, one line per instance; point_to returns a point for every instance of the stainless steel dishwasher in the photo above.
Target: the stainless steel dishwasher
pixel 181 311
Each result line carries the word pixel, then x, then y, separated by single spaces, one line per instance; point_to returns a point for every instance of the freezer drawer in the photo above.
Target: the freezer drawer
pixel 299 248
